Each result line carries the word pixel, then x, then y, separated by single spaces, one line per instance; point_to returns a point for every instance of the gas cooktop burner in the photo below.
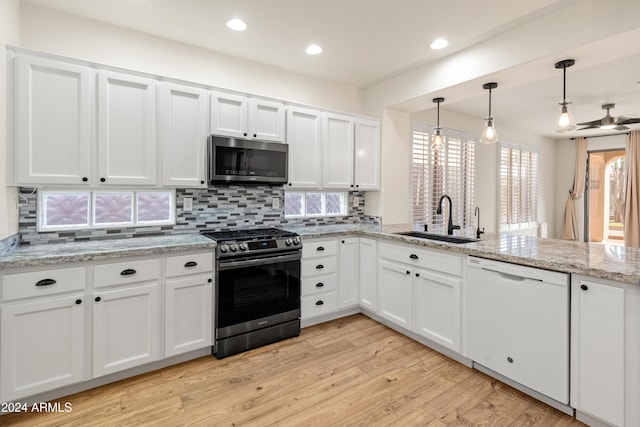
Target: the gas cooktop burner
pixel 234 243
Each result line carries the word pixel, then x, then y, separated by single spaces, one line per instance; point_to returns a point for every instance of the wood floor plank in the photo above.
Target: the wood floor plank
pixel 349 372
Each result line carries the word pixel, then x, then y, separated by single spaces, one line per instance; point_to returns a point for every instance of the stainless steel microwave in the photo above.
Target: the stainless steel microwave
pixel 246 160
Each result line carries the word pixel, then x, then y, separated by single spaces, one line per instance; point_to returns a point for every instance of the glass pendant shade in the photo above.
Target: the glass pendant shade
pixel 489 134
pixel 438 141
pixel 565 121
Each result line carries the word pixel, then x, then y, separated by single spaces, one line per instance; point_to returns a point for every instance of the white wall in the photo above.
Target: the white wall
pixel 73 36
pixel 9 35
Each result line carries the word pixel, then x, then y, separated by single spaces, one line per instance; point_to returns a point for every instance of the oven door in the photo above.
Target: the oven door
pixel 256 293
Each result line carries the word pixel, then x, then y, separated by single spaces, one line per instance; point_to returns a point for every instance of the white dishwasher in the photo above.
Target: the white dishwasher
pixel 517 324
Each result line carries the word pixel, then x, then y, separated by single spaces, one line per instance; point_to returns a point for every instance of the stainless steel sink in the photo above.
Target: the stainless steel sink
pixel 438 237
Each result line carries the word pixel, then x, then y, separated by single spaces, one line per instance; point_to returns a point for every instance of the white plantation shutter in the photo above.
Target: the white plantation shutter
pixel 518 187
pixel 448 171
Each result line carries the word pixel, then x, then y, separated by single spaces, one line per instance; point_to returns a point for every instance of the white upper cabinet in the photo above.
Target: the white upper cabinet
pixel 183 128
pixel 242 117
pixel 337 152
pixel 126 129
pixel 367 155
pixel 53 122
pixel 305 148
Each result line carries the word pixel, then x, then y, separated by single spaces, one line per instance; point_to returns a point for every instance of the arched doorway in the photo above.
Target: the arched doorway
pixel 606 197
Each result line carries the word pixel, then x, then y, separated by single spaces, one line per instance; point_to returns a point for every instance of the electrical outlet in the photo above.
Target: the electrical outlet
pixel 356 202
pixel 275 203
pixel 187 204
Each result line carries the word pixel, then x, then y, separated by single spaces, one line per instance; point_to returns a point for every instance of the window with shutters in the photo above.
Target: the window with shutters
pixel 449 170
pixel 518 187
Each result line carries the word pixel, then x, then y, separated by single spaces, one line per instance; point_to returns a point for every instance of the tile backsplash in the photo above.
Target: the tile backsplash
pixel 220 207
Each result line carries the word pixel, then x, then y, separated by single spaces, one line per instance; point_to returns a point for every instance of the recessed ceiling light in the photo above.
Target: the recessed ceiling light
pixel 236 24
pixel 314 49
pixel 439 44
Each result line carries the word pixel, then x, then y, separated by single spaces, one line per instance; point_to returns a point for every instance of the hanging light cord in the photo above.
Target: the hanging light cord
pixel 489 102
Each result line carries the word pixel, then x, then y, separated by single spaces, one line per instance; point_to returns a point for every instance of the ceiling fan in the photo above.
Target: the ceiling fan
pixel 609 121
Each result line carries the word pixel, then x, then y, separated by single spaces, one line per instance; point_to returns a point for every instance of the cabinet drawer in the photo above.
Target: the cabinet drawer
pixel 317 305
pixel 317 266
pixel 318 284
pixel 126 272
pixel 319 248
pixel 189 264
pixel 423 258
pixel 47 282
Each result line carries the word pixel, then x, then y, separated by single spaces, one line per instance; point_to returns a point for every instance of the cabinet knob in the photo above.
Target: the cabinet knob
pixel 97 299
pixel 351 186
pixel 319 302
pixel 509 359
pixel 417 274
pixel 255 135
pixel 245 134
pixel 584 287
pixel 413 256
pixel 103 179
pixel 408 272
pixel 78 301
pixel 343 241
pixel 289 184
pixel 201 182
pixel 209 280
pixel 357 185
pixel 85 179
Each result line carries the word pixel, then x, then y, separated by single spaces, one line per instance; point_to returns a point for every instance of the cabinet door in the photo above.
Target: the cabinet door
pixel 348 272
pixel 598 334
pixel 42 346
pixel 229 115
pixel 188 314
pixel 305 148
pixel 338 152
pixel 367 274
pixel 395 292
pixel 184 126
pixel 126 328
pixel 53 120
pixel 437 308
pixel 267 120
pixel 126 129
pixel 367 155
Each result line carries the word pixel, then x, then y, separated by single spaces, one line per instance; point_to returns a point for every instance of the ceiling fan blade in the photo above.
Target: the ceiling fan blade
pixel 620 127
pixel 628 120
pixel 594 123
pixel 589 127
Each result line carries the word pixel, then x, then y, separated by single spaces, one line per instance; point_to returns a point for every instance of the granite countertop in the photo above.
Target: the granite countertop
pixel 56 253
pixel 615 263
pixel 598 260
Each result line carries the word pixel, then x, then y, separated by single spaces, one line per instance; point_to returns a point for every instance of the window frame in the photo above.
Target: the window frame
pixel 533 188
pixel 324 214
pixel 92 225
pixel 462 181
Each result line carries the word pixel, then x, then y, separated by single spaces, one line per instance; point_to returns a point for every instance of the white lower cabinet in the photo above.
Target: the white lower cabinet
pixel 348 272
pixel 437 311
pixel 605 357
pixel 395 292
pixel 126 328
pixel 42 342
pixel 319 278
pixel 188 303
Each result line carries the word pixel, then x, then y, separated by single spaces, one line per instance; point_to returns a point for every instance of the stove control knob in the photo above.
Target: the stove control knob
pixel 233 247
pixel 296 241
pixel 243 246
pixel 287 241
pixel 224 248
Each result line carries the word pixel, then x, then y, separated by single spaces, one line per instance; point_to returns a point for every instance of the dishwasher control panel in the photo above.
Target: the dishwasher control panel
pixel 519 270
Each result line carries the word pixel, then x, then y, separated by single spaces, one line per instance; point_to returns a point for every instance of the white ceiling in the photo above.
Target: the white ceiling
pixel 368 41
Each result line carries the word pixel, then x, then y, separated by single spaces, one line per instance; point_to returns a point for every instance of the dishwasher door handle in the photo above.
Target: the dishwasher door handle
pixel 512 277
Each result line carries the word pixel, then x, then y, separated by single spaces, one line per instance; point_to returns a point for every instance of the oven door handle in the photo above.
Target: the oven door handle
pixel 228 265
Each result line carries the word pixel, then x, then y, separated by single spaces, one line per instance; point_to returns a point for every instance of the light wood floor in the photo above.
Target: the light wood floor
pixel 352 371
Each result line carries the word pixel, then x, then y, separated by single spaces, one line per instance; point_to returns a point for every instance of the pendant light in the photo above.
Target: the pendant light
pixel 565 121
pixel 489 134
pixel 438 141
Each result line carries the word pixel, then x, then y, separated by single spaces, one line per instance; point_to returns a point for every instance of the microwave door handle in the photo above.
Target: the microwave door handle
pixel 228 265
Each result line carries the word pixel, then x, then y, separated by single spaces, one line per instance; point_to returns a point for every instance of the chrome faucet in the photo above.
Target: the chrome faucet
pixel 450 226
pixel 478 232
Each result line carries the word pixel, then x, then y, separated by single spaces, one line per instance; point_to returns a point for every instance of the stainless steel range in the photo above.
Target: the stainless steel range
pixel 257 288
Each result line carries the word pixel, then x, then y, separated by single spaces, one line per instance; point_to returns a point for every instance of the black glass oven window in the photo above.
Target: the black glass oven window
pixel 250 293
pixel 235 161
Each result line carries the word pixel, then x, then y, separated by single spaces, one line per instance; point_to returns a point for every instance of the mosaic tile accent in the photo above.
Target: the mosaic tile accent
pixel 223 207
